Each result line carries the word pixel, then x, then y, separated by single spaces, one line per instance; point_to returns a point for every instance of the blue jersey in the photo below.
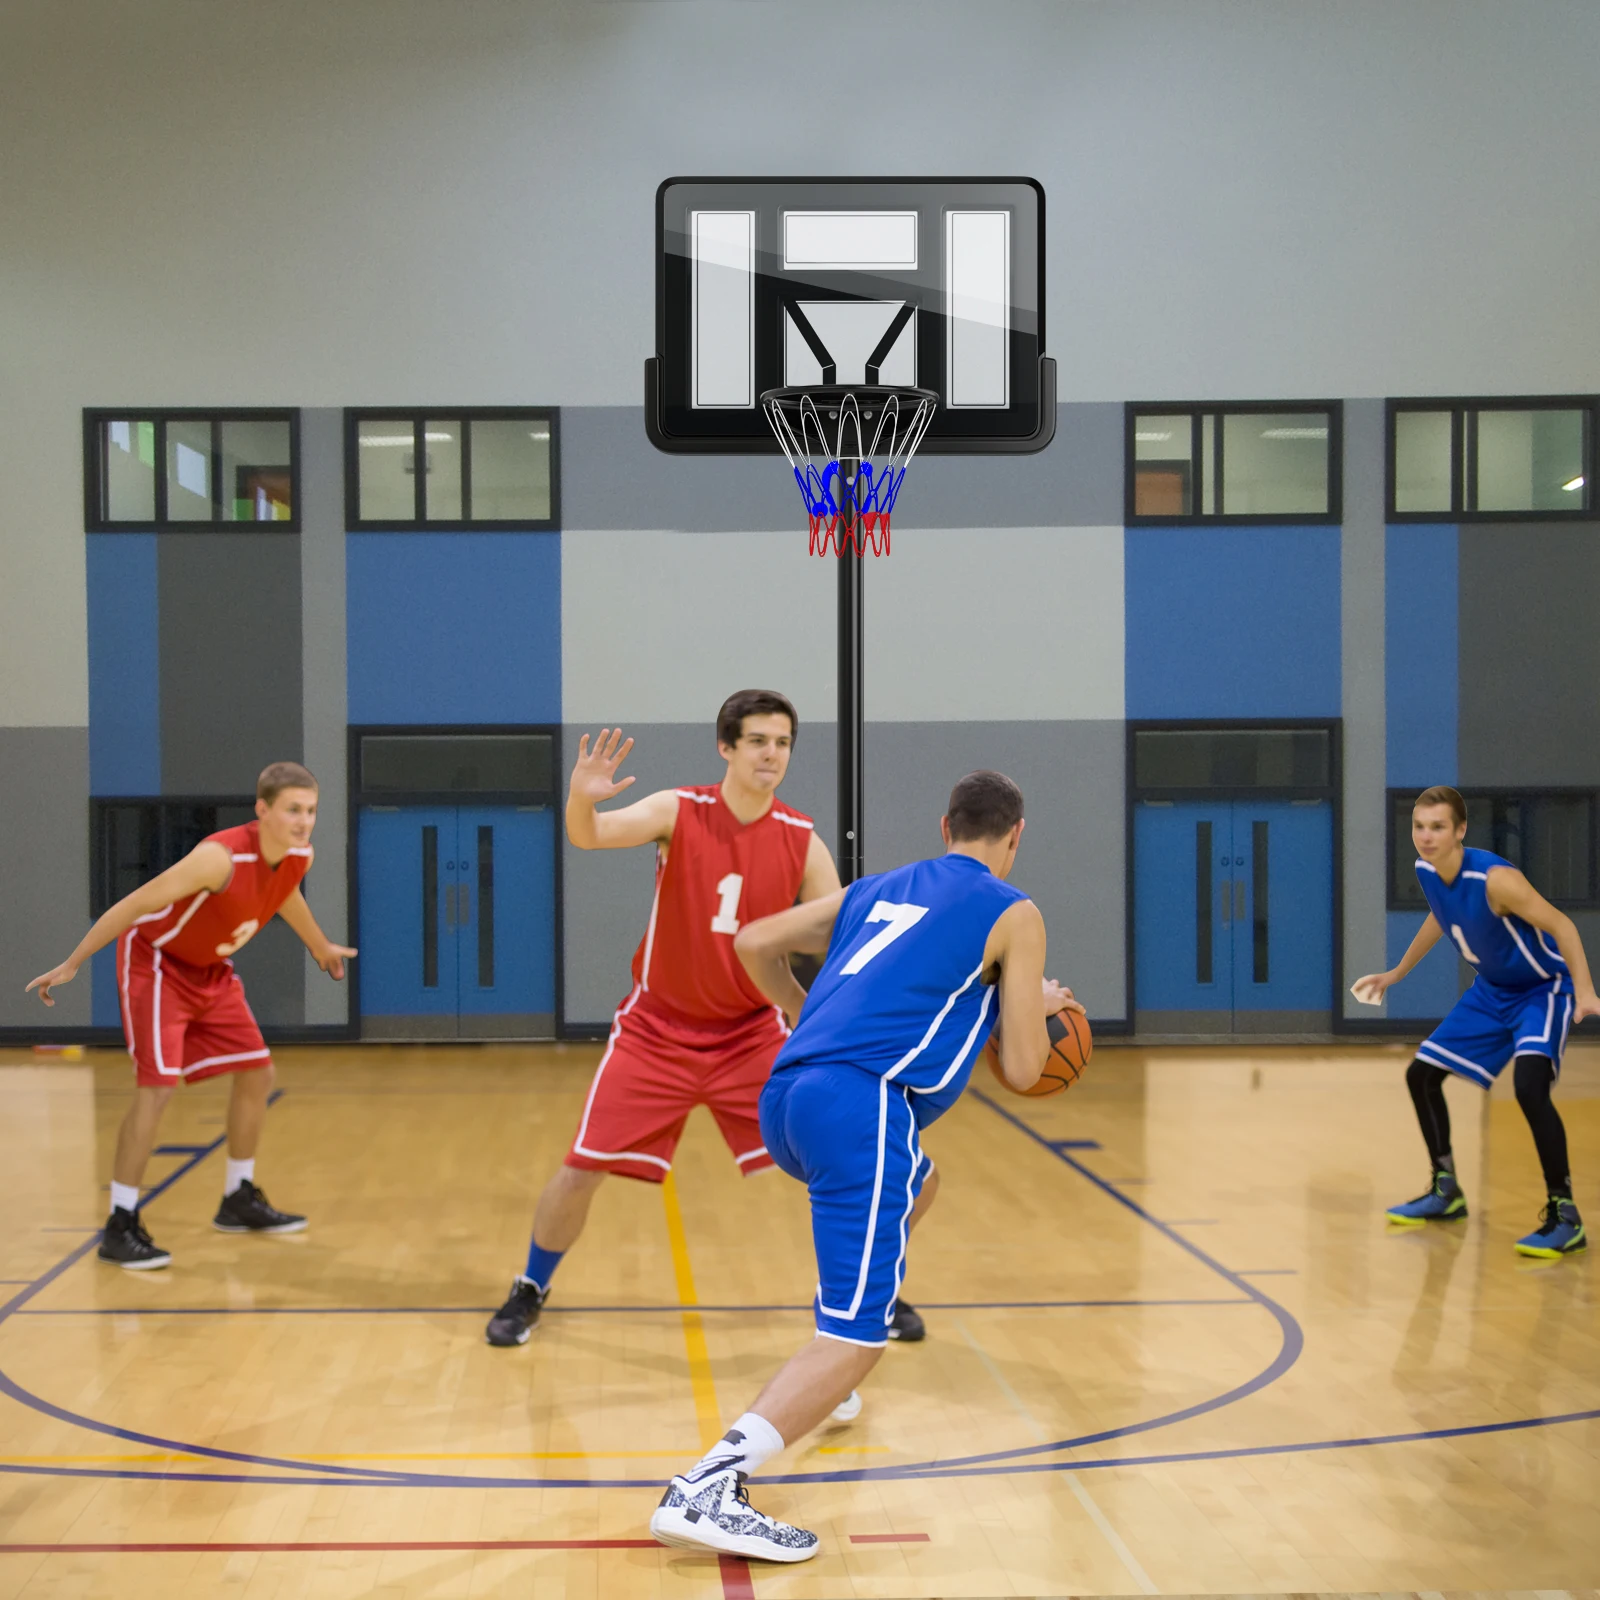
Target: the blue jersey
pixel 1505 951
pixel 900 994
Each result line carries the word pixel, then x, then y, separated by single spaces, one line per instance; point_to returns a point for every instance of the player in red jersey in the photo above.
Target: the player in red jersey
pixel 695 1030
pixel 184 1013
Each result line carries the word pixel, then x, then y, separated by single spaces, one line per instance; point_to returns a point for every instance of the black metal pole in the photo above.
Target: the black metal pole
pixel 852 699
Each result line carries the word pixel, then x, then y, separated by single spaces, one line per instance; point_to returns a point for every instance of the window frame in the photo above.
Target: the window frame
pixel 95 512
pixel 1197 410
pixel 417 419
pixel 1464 411
pixel 1394 797
pixel 100 803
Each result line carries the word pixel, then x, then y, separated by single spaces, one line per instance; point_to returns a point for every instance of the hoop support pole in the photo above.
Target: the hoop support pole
pixel 852 697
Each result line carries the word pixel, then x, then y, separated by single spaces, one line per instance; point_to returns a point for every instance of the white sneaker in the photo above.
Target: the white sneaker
pixel 714 1514
pixel 847 1409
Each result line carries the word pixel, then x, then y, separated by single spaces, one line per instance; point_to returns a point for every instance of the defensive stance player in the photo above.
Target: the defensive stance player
pixel 885 1044
pixel 695 1030
pixel 1523 999
pixel 184 1013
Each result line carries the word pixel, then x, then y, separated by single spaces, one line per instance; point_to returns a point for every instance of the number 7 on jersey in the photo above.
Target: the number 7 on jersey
pixel 901 919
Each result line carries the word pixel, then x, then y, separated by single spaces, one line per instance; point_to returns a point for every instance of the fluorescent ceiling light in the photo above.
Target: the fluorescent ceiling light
pixel 1294 433
pixel 539 433
pixel 404 438
pixel 1573 483
pixel 1152 438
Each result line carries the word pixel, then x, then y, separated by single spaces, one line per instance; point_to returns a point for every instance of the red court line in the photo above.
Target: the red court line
pixel 736 1584
pixel 889 1538
pixel 253 1549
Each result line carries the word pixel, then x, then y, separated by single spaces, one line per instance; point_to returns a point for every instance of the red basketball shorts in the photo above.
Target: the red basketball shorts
pixel 184 1023
pixel 657 1067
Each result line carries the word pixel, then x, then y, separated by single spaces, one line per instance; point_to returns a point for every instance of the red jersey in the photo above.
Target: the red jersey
pixel 206 928
pixel 716 875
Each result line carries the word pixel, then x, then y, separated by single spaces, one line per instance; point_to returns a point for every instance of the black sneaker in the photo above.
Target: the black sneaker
pixel 907 1326
pixel 125 1243
pixel 514 1321
pixel 246 1211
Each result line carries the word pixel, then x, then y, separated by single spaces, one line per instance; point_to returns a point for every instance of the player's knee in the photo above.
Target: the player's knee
pixel 1423 1075
pixel 150 1099
pixel 1531 1077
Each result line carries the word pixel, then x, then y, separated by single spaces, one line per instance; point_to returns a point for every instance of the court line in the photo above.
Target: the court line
pixel 322 1546
pixel 572 1311
pixel 1098 1517
pixel 707 1412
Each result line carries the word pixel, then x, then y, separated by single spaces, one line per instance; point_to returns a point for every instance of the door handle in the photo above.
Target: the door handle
pixel 1226 897
pixel 449 905
pixel 464 905
pixel 1238 899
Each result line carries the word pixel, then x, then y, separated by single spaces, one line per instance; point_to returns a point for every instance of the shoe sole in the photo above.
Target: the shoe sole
pixel 282 1227
pixel 670 1528
pixel 1422 1222
pixel 1544 1253
pixel 508 1344
pixel 138 1266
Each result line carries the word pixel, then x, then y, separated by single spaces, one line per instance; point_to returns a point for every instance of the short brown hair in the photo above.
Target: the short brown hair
pixel 1441 794
pixel 282 775
pixel 984 805
pixel 753 703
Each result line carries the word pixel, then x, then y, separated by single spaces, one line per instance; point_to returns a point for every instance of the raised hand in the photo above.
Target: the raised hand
pixel 594 773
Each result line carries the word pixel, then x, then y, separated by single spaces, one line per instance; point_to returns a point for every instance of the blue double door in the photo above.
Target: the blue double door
pixel 457 922
pixel 1233 916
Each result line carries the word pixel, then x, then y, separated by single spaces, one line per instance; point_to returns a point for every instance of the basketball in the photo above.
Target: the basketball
pixel 1071 1045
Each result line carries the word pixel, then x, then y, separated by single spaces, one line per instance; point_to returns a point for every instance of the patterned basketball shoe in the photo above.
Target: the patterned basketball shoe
pixel 1444 1202
pixel 246 1211
pixel 1560 1232
pixel 716 1514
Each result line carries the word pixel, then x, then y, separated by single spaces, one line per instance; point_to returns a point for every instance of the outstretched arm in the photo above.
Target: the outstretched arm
pixel 327 955
pixel 1017 946
pixel 207 866
pixel 647 821
pixel 764 947
pixel 1510 892
pixel 1370 989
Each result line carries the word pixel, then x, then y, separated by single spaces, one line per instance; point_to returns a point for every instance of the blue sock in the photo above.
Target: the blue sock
pixel 542 1265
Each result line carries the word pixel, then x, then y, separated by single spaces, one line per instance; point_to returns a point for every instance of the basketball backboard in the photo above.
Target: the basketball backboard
pixel 765 283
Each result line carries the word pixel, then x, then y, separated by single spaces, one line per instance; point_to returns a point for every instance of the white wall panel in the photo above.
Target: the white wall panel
pixel 996 625
pixel 663 627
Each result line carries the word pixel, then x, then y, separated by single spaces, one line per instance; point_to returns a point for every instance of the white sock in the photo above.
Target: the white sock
pixel 746 1447
pixel 124 1195
pixel 238 1172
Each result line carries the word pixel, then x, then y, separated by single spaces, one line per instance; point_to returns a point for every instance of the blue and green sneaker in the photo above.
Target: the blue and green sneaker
pixel 1444 1202
pixel 1560 1232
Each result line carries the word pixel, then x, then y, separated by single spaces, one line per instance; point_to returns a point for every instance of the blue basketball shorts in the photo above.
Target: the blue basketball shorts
pixel 851 1138
pixel 1489 1025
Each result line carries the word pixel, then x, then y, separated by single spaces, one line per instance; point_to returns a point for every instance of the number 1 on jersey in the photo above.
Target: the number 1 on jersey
pixel 901 919
pixel 727 917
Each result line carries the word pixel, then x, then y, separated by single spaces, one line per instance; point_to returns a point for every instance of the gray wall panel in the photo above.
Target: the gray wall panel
pixel 1072 856
pixel 44 866
pixel 322 621
pixel 613 477
pixel 606 893
pixel 1361 612
pixel 1530 654
pixel 230 658
pixel 272 968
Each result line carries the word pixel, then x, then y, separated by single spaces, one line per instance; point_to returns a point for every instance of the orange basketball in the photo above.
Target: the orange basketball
pixel 1071 1045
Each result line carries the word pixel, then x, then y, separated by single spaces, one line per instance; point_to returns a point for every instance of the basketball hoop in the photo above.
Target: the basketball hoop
pixel 849 485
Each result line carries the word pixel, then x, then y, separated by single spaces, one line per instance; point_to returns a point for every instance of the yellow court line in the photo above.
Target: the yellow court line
pixel 706 1409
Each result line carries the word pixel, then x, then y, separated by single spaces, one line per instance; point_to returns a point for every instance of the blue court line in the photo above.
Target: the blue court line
pixel 572 1311
pixel 1074 1144
pixel 181 1150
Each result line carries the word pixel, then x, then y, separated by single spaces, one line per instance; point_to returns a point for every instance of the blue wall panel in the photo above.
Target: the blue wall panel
pixel 1232 622
pixel 1433 985
pixel 454 627
pixel 124 674
pixel 1421 653
pixel 105 1008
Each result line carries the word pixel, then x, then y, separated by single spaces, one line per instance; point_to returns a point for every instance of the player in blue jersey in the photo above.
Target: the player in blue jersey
pixel 1527 993
pixel 920 964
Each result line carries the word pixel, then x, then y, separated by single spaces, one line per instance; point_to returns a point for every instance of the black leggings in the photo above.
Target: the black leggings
pixel 1532 1077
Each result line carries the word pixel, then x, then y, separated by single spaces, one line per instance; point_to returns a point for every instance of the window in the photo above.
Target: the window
pixel 132 840
pixel 1196 759
pixel 1491 460
pixel 480 468
pixel 192 470
pixel 1261 462
pixel 1548 833
pixel 520 765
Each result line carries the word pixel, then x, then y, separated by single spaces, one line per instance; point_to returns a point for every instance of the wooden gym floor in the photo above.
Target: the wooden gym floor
pixel 1172 1347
